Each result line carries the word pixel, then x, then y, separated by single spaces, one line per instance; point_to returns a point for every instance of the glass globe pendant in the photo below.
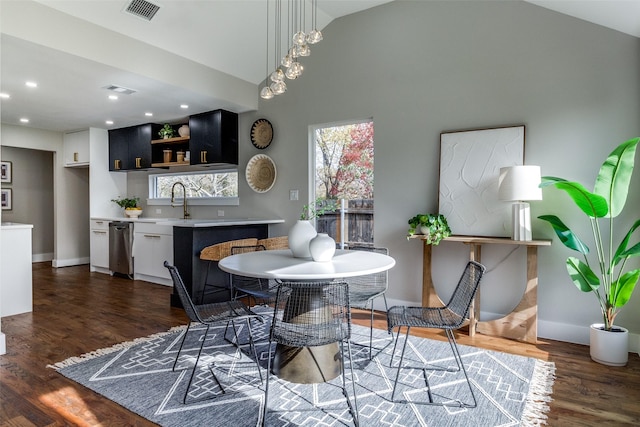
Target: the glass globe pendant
pixel 266 93
pixel 278 88
pixel 299 38
pixel 314 37
pixel 287 60
pixel 303 50
pixel 277 75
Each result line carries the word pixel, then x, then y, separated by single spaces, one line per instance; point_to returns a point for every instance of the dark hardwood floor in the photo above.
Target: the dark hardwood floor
pixel 76 311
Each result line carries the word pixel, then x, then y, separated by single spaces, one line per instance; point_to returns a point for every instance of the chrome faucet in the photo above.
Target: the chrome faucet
pixel 185 214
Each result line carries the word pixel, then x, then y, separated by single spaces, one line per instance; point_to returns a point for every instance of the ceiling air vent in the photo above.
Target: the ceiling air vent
pixel 120 89
pixel 142 9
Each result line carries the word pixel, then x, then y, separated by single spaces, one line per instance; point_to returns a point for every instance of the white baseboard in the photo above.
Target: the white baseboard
pixel 69 262
pixel 42 257
pixel 3 344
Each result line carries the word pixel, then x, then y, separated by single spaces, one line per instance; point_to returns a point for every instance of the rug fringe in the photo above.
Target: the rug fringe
pixel 540 390
pixel 108 350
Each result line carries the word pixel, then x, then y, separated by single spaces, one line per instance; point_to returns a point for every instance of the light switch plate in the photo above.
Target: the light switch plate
pixel 293 194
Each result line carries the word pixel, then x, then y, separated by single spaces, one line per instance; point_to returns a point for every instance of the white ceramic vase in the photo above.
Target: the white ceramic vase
pixel 299 237
pixel 322 247
pixel 609 347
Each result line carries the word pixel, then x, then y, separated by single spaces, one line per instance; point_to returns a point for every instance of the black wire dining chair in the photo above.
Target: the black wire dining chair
pixel 312 314
pixel 449 318
pixel 363 290
pixel 213 314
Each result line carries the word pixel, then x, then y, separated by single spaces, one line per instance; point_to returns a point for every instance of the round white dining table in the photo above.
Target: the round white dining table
pixel 307 364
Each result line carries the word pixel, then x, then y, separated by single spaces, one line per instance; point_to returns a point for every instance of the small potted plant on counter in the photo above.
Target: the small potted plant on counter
pixel 433 226
pixel 130 205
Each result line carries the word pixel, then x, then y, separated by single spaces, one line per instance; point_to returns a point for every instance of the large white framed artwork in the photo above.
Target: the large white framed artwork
pixel 470 163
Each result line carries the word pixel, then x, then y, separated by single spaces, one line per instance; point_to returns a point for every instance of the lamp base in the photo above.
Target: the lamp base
pixel 521 222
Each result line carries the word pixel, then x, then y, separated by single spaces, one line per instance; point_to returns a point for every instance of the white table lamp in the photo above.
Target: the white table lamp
pixel 519 184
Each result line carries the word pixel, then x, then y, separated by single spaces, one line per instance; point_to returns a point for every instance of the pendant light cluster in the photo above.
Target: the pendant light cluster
pixel 296 46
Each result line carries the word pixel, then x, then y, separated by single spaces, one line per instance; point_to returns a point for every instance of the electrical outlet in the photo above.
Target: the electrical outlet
pixel 158 211
pixel 220 213
pixel 293 194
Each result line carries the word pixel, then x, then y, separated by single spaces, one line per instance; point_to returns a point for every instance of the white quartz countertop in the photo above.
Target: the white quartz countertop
pixel 176 222
pixel 14 225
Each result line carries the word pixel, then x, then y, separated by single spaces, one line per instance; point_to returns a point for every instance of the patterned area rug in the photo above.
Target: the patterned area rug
pixel 510 390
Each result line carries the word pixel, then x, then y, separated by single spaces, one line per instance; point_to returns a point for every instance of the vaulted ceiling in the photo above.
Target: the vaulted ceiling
pixel 207 54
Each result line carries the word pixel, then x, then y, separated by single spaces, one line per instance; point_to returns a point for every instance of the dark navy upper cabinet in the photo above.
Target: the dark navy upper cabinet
pixel 214 137
pixel 130 148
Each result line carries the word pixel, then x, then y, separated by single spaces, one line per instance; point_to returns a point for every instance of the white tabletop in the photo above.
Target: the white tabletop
pixel 282 265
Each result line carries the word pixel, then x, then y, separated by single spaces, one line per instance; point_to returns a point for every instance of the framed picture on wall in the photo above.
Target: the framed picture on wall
pixel 5 172
pixel 6 199
pixel 470 163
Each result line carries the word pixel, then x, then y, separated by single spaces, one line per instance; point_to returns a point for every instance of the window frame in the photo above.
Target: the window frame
pixel 193 201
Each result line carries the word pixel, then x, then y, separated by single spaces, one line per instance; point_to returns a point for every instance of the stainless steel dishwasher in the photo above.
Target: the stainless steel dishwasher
pixel 120 247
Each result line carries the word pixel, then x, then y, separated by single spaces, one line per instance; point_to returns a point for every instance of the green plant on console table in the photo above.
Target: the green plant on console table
pixel 612 286
pixel 433 226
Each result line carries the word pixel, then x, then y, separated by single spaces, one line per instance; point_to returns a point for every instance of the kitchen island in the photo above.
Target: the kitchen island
pixel 191 236
pixel 178 241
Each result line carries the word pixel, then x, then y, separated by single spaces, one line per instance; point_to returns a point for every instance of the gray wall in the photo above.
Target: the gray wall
pixel 32 185
pixel 421 68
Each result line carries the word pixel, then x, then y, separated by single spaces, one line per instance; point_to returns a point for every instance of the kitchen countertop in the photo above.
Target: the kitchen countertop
pixel 196 222
pixel 14 225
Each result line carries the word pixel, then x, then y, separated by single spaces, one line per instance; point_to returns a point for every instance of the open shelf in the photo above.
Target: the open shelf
pixel 176 140
pixel 165 165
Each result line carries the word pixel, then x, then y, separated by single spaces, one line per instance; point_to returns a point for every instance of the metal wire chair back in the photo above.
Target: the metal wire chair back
pixel 462 297
pixel 207 313
pixel 363 289
pixel 311 314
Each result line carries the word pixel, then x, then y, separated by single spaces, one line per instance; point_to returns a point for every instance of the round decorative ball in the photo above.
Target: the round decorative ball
pixel 322 247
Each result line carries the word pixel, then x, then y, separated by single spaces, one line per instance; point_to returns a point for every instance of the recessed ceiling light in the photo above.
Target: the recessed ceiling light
pixel 113 97
pixel 31 84
pixel 109 122
pixel 148 114
pixel 5 95
pixel 184 106
pixel 24 120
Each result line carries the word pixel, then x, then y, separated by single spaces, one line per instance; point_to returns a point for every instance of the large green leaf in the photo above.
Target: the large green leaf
pixel 614 177
pixel 622 252
pixel 581 275
pixel 622 289
pixel 566 236
pixel 591 204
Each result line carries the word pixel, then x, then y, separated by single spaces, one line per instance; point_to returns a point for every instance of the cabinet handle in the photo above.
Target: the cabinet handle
pixel 75 157
pixel 152 236
pixel 138 159
pixel 203 157
pixel 116 164
pixel 99 232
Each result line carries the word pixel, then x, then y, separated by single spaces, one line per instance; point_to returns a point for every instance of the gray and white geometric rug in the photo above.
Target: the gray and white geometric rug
pixel 510 390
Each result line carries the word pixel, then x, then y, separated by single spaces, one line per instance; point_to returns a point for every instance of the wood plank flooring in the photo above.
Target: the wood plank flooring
pixel 76 311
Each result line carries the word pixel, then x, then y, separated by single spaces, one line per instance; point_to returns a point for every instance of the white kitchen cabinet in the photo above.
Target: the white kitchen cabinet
pixel 76 149
pixel 152 246
pixel 16 282
pixel 99 245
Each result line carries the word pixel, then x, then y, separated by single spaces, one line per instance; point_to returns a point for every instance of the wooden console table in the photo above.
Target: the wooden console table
pixel 522 323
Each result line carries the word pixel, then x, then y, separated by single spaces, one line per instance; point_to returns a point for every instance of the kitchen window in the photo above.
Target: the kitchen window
pixel 218 187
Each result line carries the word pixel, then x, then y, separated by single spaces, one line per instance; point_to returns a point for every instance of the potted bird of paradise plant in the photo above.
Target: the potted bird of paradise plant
pixel 606 274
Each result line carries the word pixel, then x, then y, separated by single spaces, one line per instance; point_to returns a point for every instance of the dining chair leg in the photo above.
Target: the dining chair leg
pixel 195 368
pixel 266 387
pixel 184 336
pixel 353 409
pixel 404 347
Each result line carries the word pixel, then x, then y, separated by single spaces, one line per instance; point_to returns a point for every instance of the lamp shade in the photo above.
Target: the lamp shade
pixel 519 183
